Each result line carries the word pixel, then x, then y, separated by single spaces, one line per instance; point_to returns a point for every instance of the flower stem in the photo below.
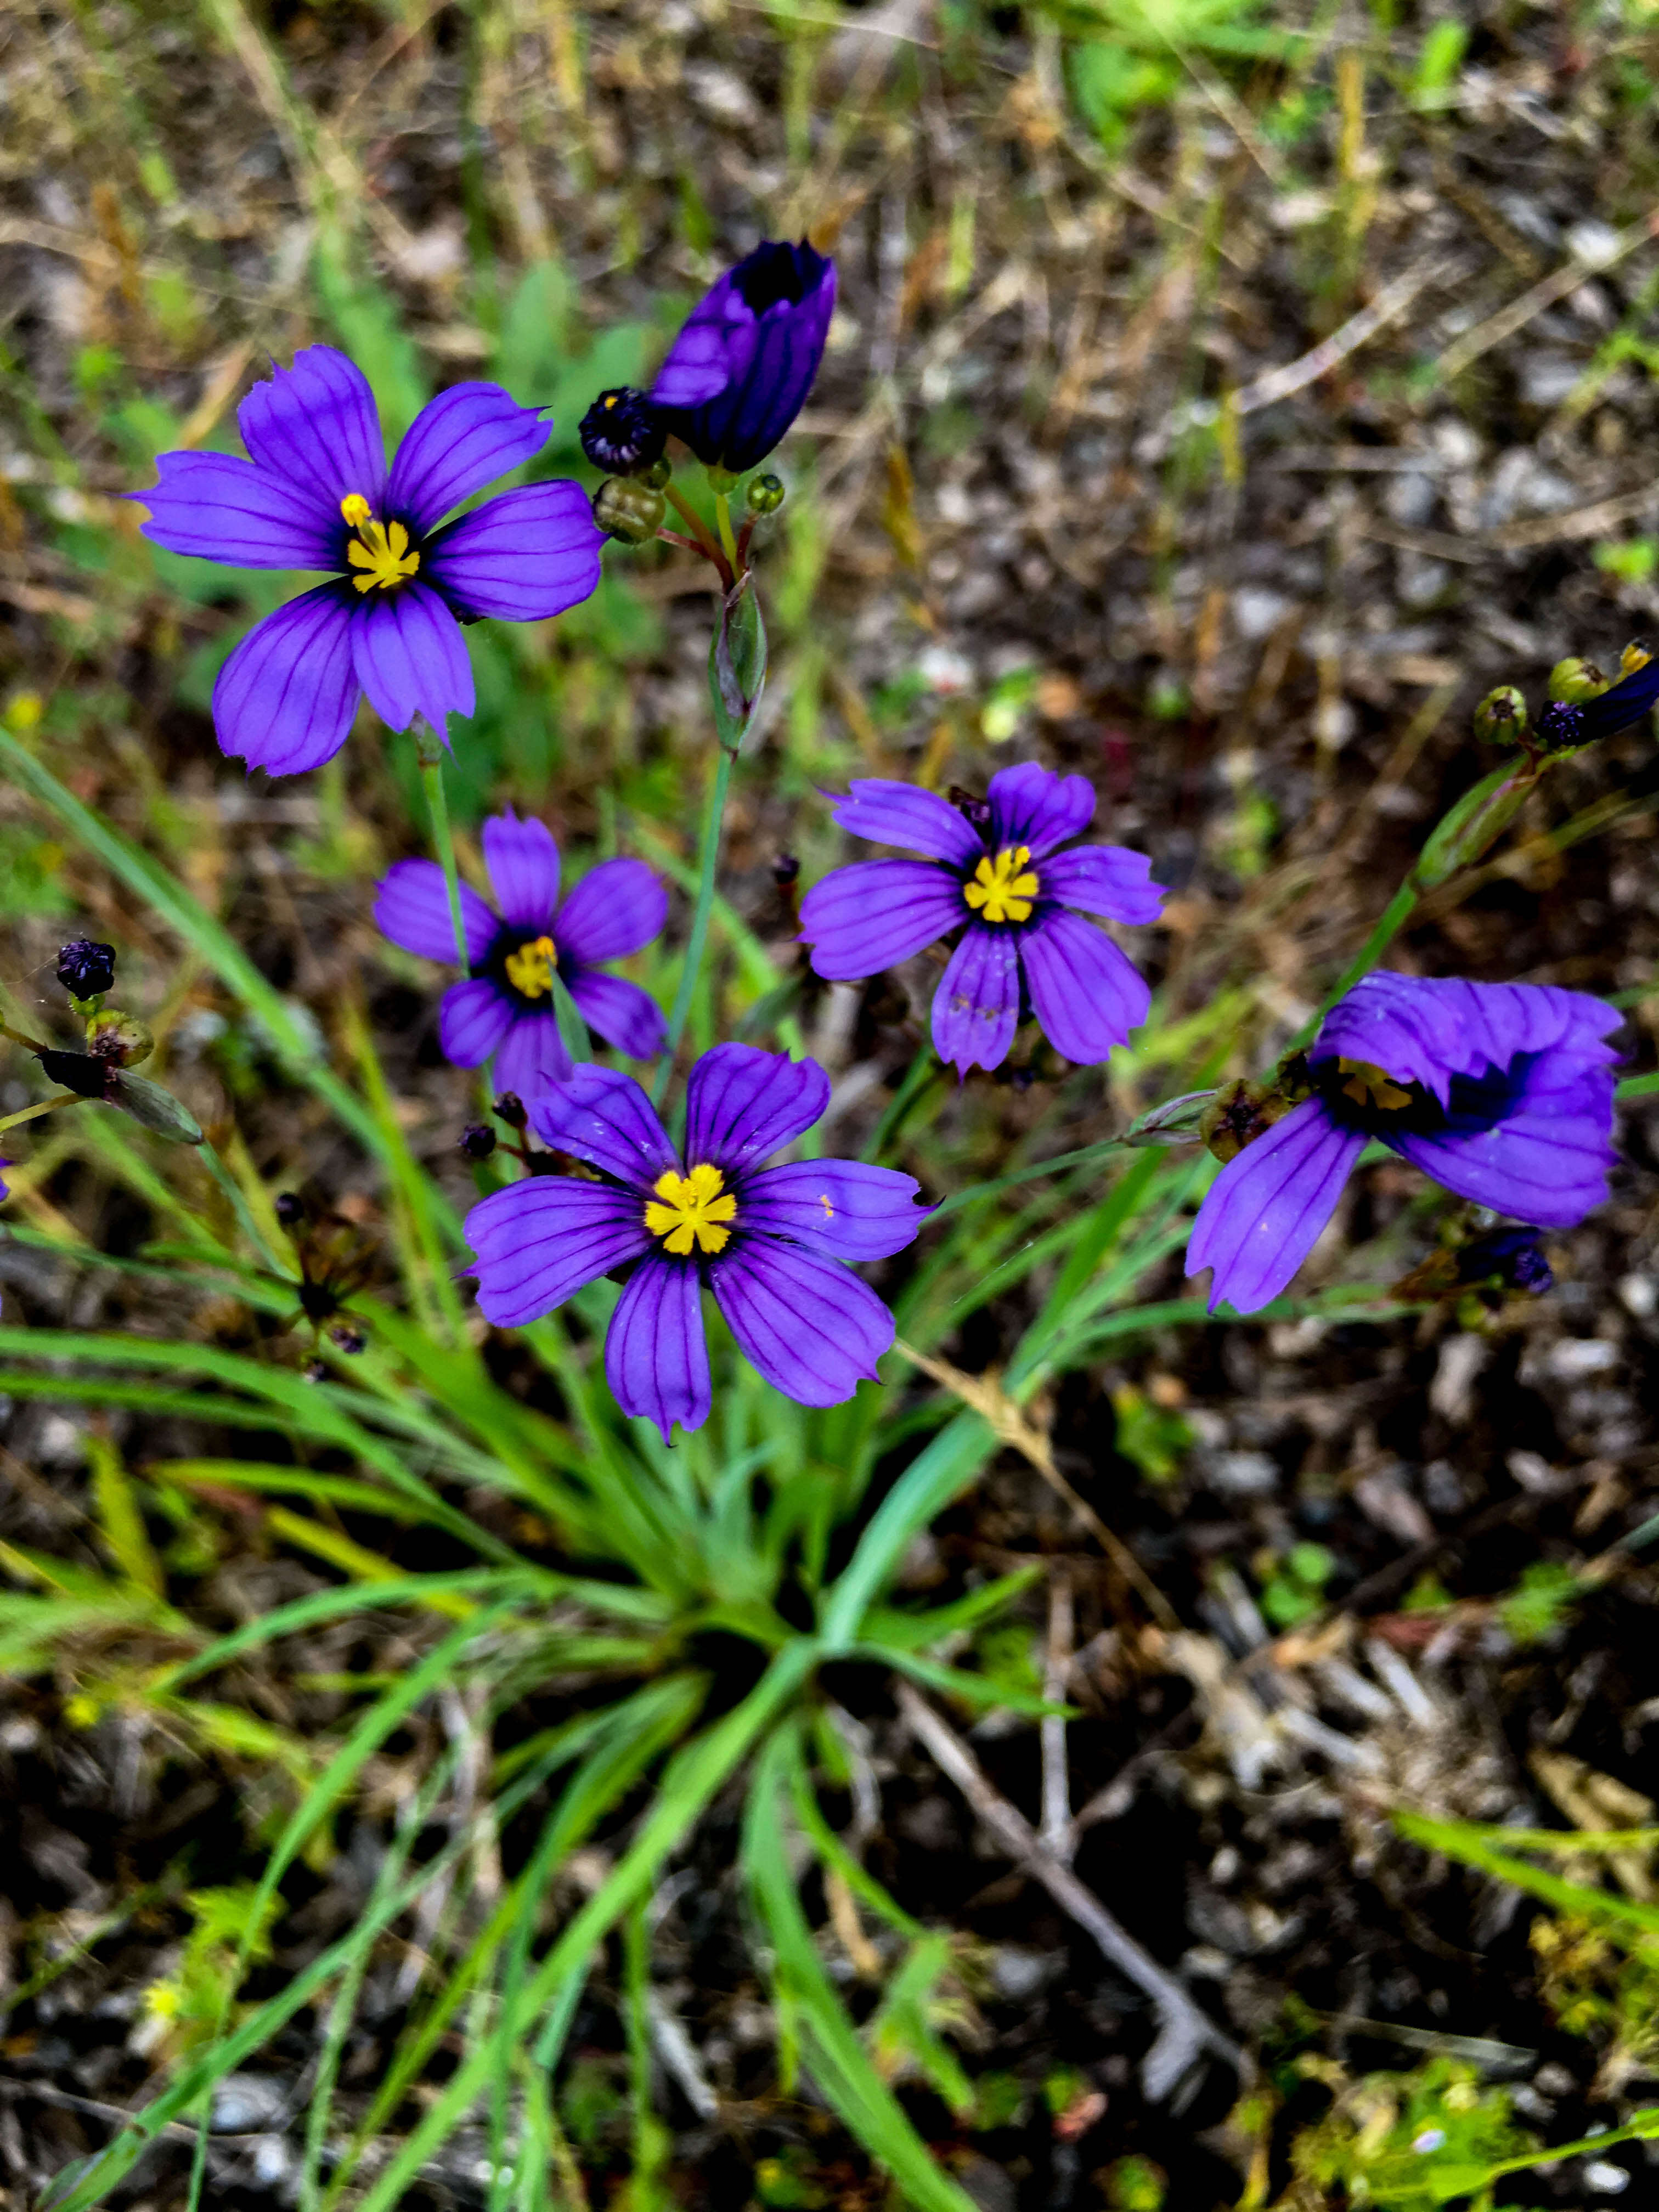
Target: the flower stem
pixel 699 530
pixel 723 516
pixel 708 855
pixel 42 1106
pixel 429 752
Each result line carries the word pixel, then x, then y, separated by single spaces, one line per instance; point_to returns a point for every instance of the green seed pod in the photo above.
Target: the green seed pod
pixel 1575 680
pixel 764 495
pixel 122 1040
pixel 1501 717
pixel 657 475
pixel 1237 1114
pixel 627 509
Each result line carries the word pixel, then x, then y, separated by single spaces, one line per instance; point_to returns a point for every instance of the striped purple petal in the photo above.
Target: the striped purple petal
pixel 458 442
pixel 472 1020
pixel 537 1242
pixel 656 1355
pixel 521 557
pixel 316 427
pixel 1428 1031
pixel 840 1207
pixel 1262 1214
pixel 890 813
pixel 976 1006
pixel 410 656
pixel 1546 1160
pixel 285 699
pixel 742 1104
pixel 602 1116
pixel 1085 992
pixel 876 914
pixel 1034 807
pixel 412 909
pixel 532 1058
pixel 218 508
pixel 1105 879
pixel 523 862
pixel 620 1013
pixel 813 1330
pixel 616 909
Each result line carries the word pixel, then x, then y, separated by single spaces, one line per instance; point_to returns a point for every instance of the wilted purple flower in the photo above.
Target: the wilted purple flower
pixel 746 356
pixel 622 432
pixel 1516 1256
pixel 1565 723
pixel 85 968
pixel 1503 1092
pixel 768 1241
pixel 316 493
pixel 506 1005
pixel 999 871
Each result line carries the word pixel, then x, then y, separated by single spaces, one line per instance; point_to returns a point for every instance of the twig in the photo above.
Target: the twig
pixel 1056 1779
pixel 1184 2033
pixel 1545 293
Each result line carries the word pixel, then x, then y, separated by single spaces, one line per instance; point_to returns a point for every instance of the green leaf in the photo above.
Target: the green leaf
pixel 737 664
pixel 155 1109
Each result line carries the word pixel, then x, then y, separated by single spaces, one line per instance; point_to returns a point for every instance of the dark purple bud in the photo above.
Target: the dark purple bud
pixel 747 356
pixel 477 1140
pixel 290 1208
pixel 510 1108
pixel 86 968
pixel 785 869
pixel 345 1337
pixel 314 1371
pixel 1563 725
pixel 622 432
pixel 1514 1257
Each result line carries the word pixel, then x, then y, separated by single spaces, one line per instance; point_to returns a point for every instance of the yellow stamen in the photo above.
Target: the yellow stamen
pixel 530 970
pixel 1000 890
pixel 382 549
pixel 1369 1085
pixel 693 1208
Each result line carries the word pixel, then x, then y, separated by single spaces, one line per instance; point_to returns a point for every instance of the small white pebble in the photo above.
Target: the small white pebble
pixel 1430 2139
pixel 1606 2178
pixel 1638 1295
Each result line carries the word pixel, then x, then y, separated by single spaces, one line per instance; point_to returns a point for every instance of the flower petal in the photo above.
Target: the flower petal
pixel 976 1006
pixel 747 356
pixel 521 557
pixel 742 1104
pixel 284 699
pixel 1546 1160
pixel 621 1013
pixel 1105 879
pixel 604 1117
pixel 813 1330
pixel 532 1058
pixel 538 1241
pixel 876 914
pixel 616 909
pixel 656 1355
pixel 472 1020
pixel 315 426
pixel 458 442
pixel 523 862
pixel 410 656
pixel 1083 991
pixel 1262 1214
pixel 412 909
pixel 219 508
pixel 839 1207
pixel 1033 806
pixel 1426 1031
pixel 890 813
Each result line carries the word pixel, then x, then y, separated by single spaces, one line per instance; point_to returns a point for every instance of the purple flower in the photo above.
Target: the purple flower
pixel 746 356
pixel 768 1241
pixel 506 1005
pixel 1503 1092
pixel 316 493
pixel 1000 870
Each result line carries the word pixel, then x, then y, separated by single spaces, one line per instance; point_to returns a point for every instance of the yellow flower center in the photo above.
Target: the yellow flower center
pixel 381 550
pixel 689 1210
pixel 1368 1085
pixel 530 970
pixel 1003 889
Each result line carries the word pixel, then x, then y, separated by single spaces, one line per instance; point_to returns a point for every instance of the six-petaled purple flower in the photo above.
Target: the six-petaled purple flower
pixel 1503 1092
pixel 999 870
pixel 506 1004
pixel 316 493
pixel 770 1242
pixel 747 356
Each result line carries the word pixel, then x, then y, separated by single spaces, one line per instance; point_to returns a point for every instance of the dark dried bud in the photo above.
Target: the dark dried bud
pixel 622 432
pixel 1514 1257
pixel 628 511
pixel 477 1140
pixel 119 1040
pixel 764 495
pixel 86 968
pixel 77 1072
pixel 314 1371
pixel 785 869
pixel 510 1108
pixel 1239 1114
pixel 1560 727
pixel 290 1208
pixel 1501 717
pixel 349 1338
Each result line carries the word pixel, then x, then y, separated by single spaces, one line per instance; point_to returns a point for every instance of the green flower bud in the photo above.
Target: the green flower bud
pixel 625 508
pixel 657 475
pixel 120 1040
pixel 764 495
pixel 1501 717
pixel 1575 680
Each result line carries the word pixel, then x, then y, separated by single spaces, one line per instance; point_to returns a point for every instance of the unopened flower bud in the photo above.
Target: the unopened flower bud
pixel 629 510
pixel 510 1108
pixel 477 1140
pixel 345 1337
pixel 118 1039
pixel 1239 1114
pixel 658 474
pixel 1501 717
pixel 622 432
pixel 290 1208
pixel 1576 679
pixel 86 968
pixel 764 495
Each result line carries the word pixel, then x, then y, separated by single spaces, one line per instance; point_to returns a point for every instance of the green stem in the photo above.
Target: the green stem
pixel 723 516
pixel 708 855
pixel 243 1212
pixel 430 755
pixel 42 1106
